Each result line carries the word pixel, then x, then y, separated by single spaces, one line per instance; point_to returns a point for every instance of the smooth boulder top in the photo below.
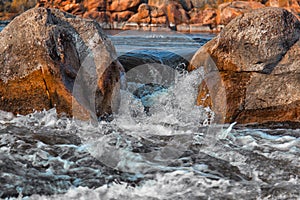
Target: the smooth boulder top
pixel 36 29
pixel 255 41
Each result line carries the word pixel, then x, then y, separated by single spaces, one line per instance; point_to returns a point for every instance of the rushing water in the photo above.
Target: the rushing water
pixel 169 151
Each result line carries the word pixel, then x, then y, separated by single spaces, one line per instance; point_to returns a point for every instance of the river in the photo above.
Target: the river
pixel 168 151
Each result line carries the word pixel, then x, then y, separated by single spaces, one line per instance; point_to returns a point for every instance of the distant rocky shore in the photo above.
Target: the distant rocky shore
pixel 180 15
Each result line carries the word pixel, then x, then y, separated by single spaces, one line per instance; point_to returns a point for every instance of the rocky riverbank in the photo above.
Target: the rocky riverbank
pixel 180 15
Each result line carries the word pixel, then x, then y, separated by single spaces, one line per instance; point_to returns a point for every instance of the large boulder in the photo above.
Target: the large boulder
pixel 228 11
pixel 252 68
pixel 122 5
pixel 49 59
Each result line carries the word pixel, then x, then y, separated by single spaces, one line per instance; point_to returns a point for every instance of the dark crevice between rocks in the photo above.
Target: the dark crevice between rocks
pixel 241 107
pixel 268 69
pixel 133 9
pixel 47 90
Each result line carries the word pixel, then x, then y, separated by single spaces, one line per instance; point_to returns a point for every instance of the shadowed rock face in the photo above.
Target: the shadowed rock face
pixel 257 68
pixel 45 54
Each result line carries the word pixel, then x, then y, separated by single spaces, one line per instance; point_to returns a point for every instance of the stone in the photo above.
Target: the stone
pixel 121 16
pixel 149 15
pixel 203 17
pixel 95 5
pixel 143 15
pixel 176 14
pixel 156 12
pixel 144 10
pixel 51 59
pixel 256 41
pixel 291 5
pixel 70 6
pixel 158 3
pixel 228 11
pixel 159 20
pixel 251 69
pixel 201 28
pixel 99 16
pixel 122 5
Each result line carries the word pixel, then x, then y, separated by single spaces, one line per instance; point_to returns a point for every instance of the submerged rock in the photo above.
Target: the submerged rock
pixel 49 59
pixel 256 78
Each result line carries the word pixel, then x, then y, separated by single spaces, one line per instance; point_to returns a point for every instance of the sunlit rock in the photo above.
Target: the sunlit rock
pixel 122 5
pixel 53 59
pixel 228 11
pixel 257 68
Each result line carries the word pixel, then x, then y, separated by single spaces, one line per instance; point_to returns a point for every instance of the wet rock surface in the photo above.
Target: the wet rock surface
pixel 44 52
pixel 256 58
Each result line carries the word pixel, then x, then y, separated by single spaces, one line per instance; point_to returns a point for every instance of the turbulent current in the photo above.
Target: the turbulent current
pixel 159 145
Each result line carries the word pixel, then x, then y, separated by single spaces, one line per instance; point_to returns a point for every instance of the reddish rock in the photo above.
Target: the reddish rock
pixel 256 78
pixel 228 11
pixel 122 5
pixel 156 12
pixel 209 13
pixel 158 3
pixel 99 16
pixel 53 59
pixel 176 14
pixel 187 4
pixel 291 5
pixel 143 15
pixel 149 14
pixel 144 10
pixel 121 16
pixel 70 6
pixel 183 28
pixel 203 17
pixel 95 5
pixel 159 20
